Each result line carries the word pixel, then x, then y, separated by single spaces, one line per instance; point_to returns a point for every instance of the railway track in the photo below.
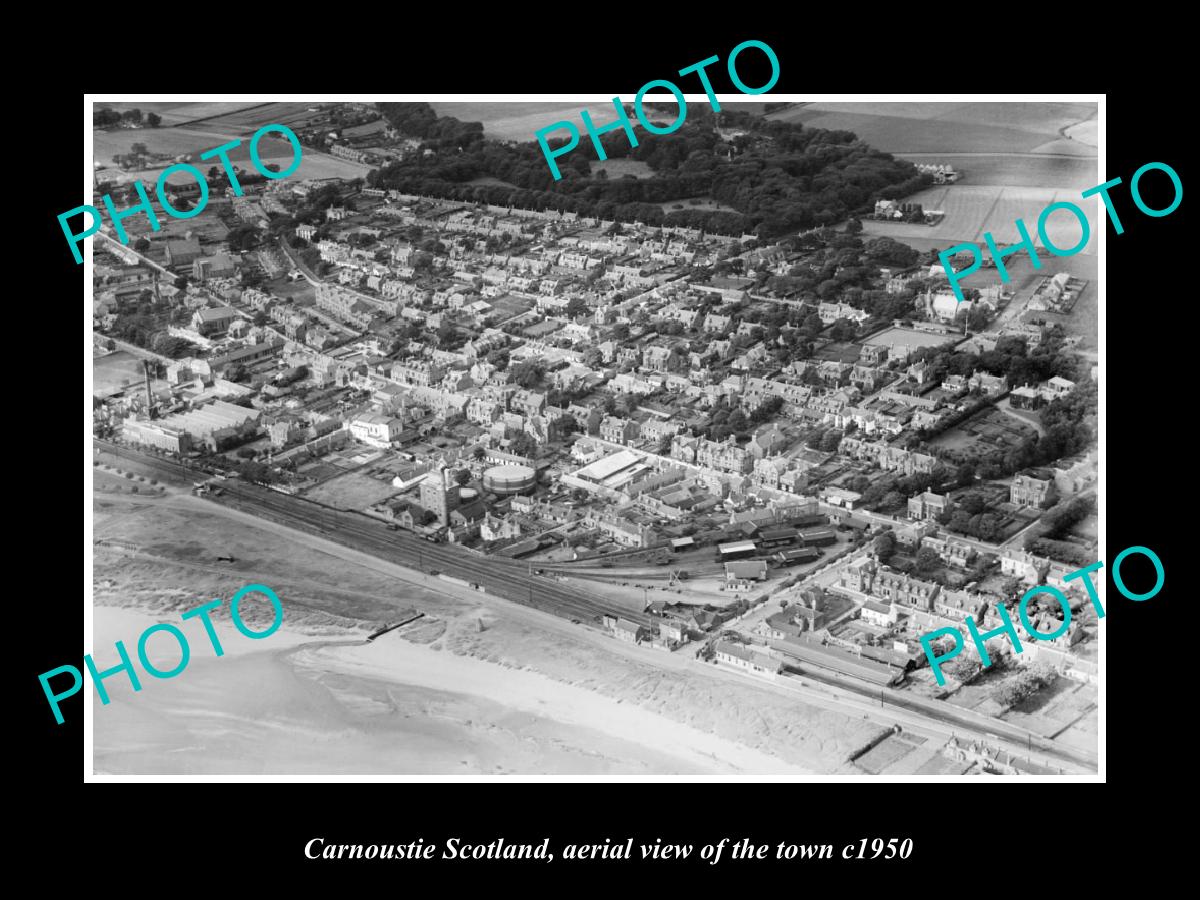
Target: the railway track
pixel 948 715
pixel 503 578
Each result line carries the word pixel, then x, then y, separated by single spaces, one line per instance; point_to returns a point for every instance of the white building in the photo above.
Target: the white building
pixel 376 430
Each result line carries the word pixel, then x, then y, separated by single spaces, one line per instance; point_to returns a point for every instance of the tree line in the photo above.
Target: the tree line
pixel 785 177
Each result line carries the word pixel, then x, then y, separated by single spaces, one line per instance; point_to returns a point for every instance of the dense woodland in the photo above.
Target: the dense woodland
pixel 779 176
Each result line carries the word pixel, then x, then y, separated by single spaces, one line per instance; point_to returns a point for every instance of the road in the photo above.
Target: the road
pixel 294 259
pixel 145 260
pixel 134 349
pixel 509 580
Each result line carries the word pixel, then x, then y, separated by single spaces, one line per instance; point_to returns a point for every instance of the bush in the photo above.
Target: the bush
pixel 129 475
pixel 134 489
pixel 95 462
pixel 154 481
pixel 1025 685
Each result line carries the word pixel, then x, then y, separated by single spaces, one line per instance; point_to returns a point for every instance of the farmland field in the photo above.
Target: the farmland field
pixel 971 210
pixel 181 141
pixel 971 127
pixel 1018 170
pixel 518 121
pixel 173 112
pixel 247 121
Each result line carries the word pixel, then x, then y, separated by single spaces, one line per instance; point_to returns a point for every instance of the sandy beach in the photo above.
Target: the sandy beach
pixel 298 704
pixel 478 686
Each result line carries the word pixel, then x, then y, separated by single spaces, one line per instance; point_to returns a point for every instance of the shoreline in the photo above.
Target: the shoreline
pixel 313 704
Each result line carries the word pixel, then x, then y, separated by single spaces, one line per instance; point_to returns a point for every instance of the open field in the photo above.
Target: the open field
pixel 973 210
pixel 519 120
pixel 247 121
pixel 619 168
pixel 1017 169
pixel 354 490
pixel 696 203
pixel 488 180
pixel 179 141
pixel 914 127
pixel 194 141
pixel 909 338
pixel 173 111
pixel 115 372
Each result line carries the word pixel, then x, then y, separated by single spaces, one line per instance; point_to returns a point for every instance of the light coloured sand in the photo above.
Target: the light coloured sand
pixel 292 704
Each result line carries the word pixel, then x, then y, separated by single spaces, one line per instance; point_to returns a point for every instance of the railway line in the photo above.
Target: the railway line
pixel 510 580
pixel 949 715
pixel 504 578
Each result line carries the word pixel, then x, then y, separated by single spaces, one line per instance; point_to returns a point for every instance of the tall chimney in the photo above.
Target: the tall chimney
pixel 146 364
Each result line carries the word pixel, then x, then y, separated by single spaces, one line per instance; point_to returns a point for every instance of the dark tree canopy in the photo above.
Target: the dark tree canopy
pixel 787 177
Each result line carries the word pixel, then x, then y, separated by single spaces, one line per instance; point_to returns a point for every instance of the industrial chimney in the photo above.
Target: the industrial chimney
pixel 146 364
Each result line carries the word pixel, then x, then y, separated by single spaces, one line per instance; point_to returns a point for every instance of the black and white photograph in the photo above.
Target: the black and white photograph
pixel 734 436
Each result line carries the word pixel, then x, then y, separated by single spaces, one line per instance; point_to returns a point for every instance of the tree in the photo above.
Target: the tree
pixel 884 546
pixel 241 237
pixel 527 374
pixel 169 345
pixel 462 477
pixel 854 226
pixel 843 330
pixel 972 503
pixel 577 306
pixel 927 560
pixel 523 445
pixel 141 245
pixel 963 669
pixel 153 119
pixel 479 453
pixel 831 440
pixel 110 344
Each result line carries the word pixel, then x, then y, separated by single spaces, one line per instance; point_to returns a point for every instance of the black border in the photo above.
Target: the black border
pixel 957 832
